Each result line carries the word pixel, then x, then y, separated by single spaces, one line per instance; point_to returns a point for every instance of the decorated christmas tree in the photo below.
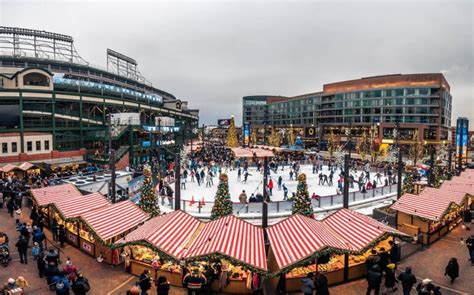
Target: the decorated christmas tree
pixel 253 138
pixel 275 139
pixel 302 202
pixel 222 204
pixel 148 201
pixel 408 185
pixel 332 146
pixel 364 146
pixel 232 140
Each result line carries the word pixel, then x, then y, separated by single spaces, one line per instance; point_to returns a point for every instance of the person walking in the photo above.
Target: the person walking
pixel 394 252
pixel 162 286
pixel 321 284
pixel 407 279
pixel 22 246
pixel 144 282
pixel 452 269
pixel 280 182
pixel 81 285
pixel 470 248
pixel 270 186
pixel 374 279
pixel 61 235
pixel 194 282
pixel 307 284
pixel 243 197
pixel 467 218
pixel 390 279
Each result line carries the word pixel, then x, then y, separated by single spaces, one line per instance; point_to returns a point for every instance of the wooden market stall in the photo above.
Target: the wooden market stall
pixel 9 170
pixel 44 197
pixel 102 227
pixel 300 245
pixel 159 245
pixel 295 245
pixel 431 214
pixel 67 213
pixel 235 244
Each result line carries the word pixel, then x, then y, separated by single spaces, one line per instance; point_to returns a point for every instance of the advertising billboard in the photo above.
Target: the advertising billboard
pixel 246 133
pixel 462 138
pixel 223 122
pixel 310 132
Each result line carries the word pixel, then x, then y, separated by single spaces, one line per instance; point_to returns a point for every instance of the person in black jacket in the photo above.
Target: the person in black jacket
pixel 22 246
pixel 384 259
pixel 374 279
pixel 41 264
pixel 81 285
pixel 408 280
pixel 62 235
pixel 394 252
pixel 452 269
pixel 144 282
pixel 470 248
pixel 321 284
pixel 467 218
pixel 390 279
pixel 162 286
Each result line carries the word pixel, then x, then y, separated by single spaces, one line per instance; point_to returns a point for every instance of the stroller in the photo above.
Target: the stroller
pixel 5 255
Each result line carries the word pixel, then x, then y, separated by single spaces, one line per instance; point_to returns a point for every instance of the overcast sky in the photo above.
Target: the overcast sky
pixel 213 53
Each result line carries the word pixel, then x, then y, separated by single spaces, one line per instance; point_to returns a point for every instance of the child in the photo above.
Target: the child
pixel 35 250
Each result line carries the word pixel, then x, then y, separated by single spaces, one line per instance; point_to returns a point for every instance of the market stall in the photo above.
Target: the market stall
pixel 431 214
pixel 67 213
pixel 296 244
pixel 236 246
pixel 240 152
pixel 44 197
pixel 101 227
pixel 9 170
pixel 159 245
pixel 300 245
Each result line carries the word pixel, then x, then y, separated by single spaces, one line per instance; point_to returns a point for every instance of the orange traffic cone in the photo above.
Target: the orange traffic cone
pixel 192 201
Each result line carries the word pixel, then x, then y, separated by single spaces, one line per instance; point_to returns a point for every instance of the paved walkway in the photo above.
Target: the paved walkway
pixel 106 279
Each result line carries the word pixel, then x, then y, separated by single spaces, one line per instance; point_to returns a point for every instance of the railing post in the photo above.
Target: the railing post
pixel 184 206
pixel 332 200
pixel 278 206
pixel 353 196
pixel 319 201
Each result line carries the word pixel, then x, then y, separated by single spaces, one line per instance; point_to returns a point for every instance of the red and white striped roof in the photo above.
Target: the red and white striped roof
pixel 8 168
pixel 169 233
pixel 52 194
pixel 231 237
pixel 446 194
pixel 463 179
pixel 356 229
pixel 74 207
pixel 299 237
pixel 459 187
pixel 114 219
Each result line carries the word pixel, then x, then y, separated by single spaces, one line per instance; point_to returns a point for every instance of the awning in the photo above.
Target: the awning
pixel 298 238
pixel 459 187
pixel 74 207
pixel 114 219
pixel 169 233
pixel 233 238
pixel 8 167
pixel 358 231
pixel 27 166
pixel 52 194
pixel 446 194
pixel 251 152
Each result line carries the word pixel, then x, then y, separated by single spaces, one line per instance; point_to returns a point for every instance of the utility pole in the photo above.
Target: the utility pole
pixel 112 164
pixel 400 163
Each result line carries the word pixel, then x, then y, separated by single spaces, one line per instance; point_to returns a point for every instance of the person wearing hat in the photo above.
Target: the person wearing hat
pixel 144 282
pixel 81 285
pixel 390 279
pixel 194 281
pixel 425 287
pixel 452 269
pixel 11 284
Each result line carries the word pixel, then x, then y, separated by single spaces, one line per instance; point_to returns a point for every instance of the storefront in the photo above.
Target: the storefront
pixel 431 214
pixel 159 245
pixel 101 228
pixel 67 212
pixel 336 246
pixel 44 197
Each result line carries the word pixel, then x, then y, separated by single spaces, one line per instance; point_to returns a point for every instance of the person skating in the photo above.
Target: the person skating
pixel 390 279
pixel 280 182
pixel 162 286
pixel 307 284
pixel 144 282
pixel 81 285
pixel 374 279
pixel 270 186
pixel 321 284
pixel 452 269
pixel 408 280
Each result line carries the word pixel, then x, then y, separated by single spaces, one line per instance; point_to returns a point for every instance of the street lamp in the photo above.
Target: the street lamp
pixel 112 191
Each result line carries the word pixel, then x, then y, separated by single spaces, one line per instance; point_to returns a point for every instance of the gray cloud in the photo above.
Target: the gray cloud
pixel 213 53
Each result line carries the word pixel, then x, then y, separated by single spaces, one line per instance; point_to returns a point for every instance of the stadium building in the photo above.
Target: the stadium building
pixel 369 107
pixel 55 105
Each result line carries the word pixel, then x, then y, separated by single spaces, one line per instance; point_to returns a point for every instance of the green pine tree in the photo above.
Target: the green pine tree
pixel 408 185
pixel 302 203
pixel 222 204
pixel 232 138
pixel 148 201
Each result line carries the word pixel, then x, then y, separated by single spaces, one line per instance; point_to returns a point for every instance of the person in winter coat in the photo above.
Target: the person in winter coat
pixel 470 248
pixel 22 246
pixel 144 282
pixel 373 259
pixel 374 279
pixel 425 287
pixel 194 282
pixel 62 235
pixel 41 264
pixel 81 285
pixel 321 284
pixel 452 269
pixel 384 259
pixel 162 286
pixel 467 218
pixel 62 285
pixel 307 284
pixel 243 197
pixel 394 252
pixel 408 280
pixel 390 279
pixel 270 186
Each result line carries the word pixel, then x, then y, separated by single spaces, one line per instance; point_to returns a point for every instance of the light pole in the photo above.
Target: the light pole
pixel 400 162
pixel 111 163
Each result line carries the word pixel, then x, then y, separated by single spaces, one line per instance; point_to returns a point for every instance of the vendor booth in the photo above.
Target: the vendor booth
pixel 159 245
pixel 67 213
pixel 233 245
pixel 300 245
pixel 102 227
pixel 43 197
pixel 431 214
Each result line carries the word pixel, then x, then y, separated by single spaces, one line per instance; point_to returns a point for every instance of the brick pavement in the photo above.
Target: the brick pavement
pixel 106 279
